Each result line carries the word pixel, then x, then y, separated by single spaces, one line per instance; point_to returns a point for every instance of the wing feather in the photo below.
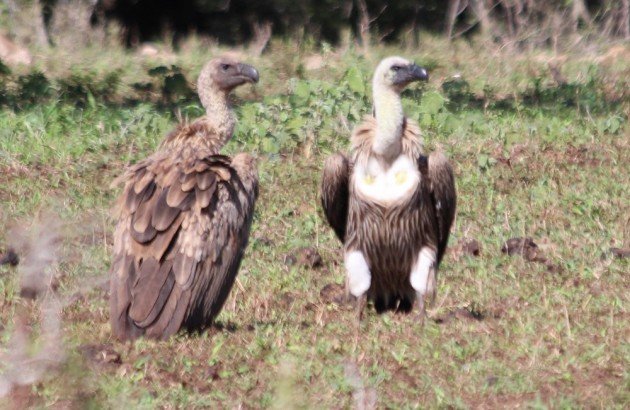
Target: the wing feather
pixel 204 180
pixel 184 267
pixel 171 316
pixel 146 291
pixel 164 214
pixel 176 236
pixel 163 295
pixel 203 197
pixel 176 195
pixel 143 179
pixel 334 193
pixel 231 220
pixel 133 199
pixel 158 247
pixel 439 173
pixel 141 229
pixel 188 182
pixel 178 314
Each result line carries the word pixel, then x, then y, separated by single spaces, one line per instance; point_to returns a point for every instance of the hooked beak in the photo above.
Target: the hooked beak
pixel 419 73
pixel 410 74
pixel 249 73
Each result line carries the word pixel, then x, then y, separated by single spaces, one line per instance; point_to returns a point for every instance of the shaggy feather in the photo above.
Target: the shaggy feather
pixel 183 222
pixel 388 203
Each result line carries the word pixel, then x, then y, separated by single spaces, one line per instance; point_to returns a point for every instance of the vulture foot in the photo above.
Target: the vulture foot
pixel 420 307
pixel 360 308
pixel 361 304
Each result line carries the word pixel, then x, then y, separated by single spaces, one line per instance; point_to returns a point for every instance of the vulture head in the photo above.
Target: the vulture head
pixel 396 73
pixel 221 75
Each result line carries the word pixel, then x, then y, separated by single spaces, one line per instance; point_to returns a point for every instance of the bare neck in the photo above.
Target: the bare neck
pixel 220 118
pixel 389 115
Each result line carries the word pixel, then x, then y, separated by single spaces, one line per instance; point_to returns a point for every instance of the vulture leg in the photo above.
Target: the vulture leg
pixel 422 297
pixel 360 308
pixel 361 304
pixel 423 278
pixel 421 310
pixel 358 279
pixel 334 193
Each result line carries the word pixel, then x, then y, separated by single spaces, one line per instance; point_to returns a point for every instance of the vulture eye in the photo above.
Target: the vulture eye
pixel 396 68
pixel 225 67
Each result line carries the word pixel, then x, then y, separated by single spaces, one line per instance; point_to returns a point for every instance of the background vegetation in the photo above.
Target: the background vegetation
pixel 520 22
pixel 539 139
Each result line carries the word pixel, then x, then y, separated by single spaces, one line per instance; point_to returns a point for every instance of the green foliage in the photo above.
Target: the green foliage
pixel 84 88
pixel 4 69
pixel 458 92
pixel 355 80
pixel 168 85
pixel 586 96
pixel 171 83
pixel 312 114
pixel 33 88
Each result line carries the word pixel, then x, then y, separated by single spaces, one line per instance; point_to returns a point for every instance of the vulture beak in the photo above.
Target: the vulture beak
pixel 410 74
pixel 249 73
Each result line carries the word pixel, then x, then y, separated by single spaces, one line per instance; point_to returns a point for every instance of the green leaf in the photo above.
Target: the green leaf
pixel 295 124
pixel 270 146
pixel 302 91
pixel 91 100
pixel 482 161
pixel 613 125
pixel 355 80
pixel 432 102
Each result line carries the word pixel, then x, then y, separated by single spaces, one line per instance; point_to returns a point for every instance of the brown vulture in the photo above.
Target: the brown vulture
pixel 390 205
pixel 183 219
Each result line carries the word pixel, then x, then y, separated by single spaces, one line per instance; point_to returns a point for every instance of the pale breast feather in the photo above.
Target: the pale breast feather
pixel 386 186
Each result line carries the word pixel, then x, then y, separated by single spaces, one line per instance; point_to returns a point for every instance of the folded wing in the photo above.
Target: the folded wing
pixel 439 173
pixel 334 193
pixel 181 234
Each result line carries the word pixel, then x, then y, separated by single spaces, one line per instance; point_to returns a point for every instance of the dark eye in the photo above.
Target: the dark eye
pixel 396 67
pixel 225 67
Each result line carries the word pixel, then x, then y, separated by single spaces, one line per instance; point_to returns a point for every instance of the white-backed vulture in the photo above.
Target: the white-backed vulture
pixel 183 219
pixel 391 206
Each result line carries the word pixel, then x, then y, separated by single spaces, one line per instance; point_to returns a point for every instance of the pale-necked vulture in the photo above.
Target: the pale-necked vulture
pixel 390 205
pixel 183 219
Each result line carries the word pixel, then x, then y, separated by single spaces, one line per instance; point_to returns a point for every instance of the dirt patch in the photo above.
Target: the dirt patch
pixel 470 313
pixel 466 247
pixel 22 397
pixel 100 355
pixel 307 257
pixel 529 250
pixel 333 293
pixel 582 155
pixel 525 247
pixel 620 252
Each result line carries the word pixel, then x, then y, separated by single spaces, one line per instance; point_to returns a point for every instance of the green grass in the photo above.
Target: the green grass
pixel 546 338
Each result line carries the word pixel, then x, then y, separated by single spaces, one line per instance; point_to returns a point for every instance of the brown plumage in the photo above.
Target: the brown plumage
pixel 183 220
pixel 391 206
